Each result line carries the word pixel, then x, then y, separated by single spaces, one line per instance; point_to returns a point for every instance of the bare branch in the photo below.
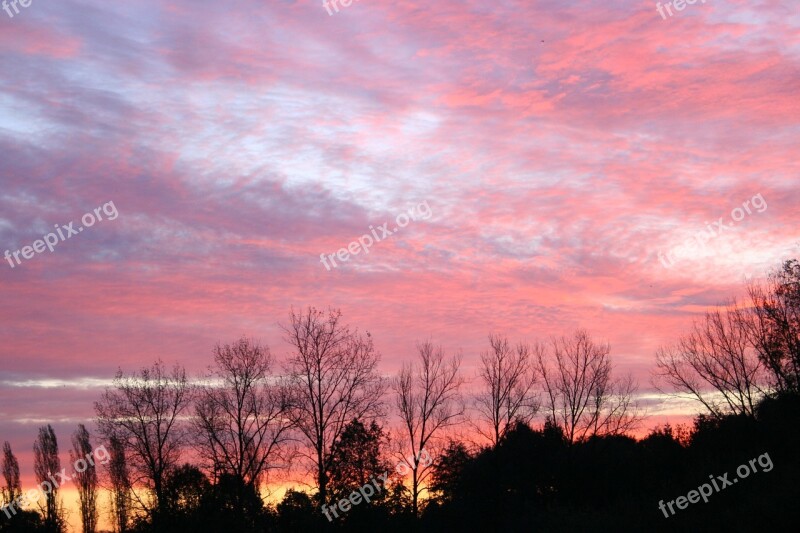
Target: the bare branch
pixel 715 363
pixel 428 401
pixel 242 415
pixel 581 396
pixel 332 379
pixel 508 396
pixel 144 411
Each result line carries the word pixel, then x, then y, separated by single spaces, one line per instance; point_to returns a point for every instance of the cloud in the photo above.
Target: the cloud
pixel 560 145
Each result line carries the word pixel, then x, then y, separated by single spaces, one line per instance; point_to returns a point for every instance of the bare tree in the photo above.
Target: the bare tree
pixel 85 478
pixel 508 395
pixel 242 416
pixel 775 325
pixel 12 489
pixel 615 409
pixel 582 398
pixel 332 380
pixel 144 410
pixel 120 485
pixel 46 466
pixel 428 401
pixel 715 363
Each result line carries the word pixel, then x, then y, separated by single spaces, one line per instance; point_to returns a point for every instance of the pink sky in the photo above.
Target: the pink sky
pixel 560 146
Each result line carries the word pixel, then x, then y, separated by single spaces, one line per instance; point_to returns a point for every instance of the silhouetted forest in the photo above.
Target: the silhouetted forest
pixel 541 442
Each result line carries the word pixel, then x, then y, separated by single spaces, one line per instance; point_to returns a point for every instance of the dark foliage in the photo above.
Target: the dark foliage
pixel 535 481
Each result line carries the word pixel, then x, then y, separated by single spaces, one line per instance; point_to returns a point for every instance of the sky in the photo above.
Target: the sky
pixel 539 166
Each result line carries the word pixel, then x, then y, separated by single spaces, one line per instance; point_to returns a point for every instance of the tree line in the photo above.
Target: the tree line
pixel 196 454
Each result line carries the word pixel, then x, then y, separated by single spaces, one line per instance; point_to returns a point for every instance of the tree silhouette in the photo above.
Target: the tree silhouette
pixel 85 478
pixel 508 394
pixel 357 458
pixel 120 482
pixel 297 512
pixel 575 469
pixel 233 505
pixel 144 411
pixel 46 464
pixel 775 329
pixel 449 469
pixel 333 380
pixel 242 419
pixel 581 395
pixel 184 490
pixel 12 490
pixel 428 402
pixel 717 354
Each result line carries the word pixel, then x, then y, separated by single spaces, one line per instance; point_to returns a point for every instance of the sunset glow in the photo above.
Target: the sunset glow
pixel 563 149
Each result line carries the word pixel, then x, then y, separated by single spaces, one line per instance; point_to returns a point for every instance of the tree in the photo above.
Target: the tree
pixel 332 380
pixel 12 490
pixel 775 326
pixel 715 363
pixel 356 459
pixel 85 478
pixel 185 488
pixel 581 396
pixel 144 411
pixel 449 470
pixel 508 395
pixel 120 485
pixel 46 464
pixel 297 512
pixel 428 402
pixel 398 504
pixel 243 417
pixel 233 505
